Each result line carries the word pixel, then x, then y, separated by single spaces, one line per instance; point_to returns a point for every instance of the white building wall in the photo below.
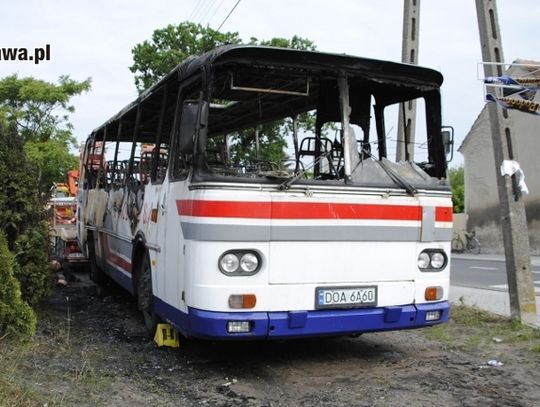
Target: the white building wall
pixel 481 196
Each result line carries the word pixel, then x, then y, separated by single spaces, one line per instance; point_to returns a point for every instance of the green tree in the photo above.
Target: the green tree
pixel 39 111
pixel 295 42
pixel 271 144
pixel 153 59
pixel 17 320
pixel 169 46
pixel 457 180
pixel 54 160
pixel 23 216
pixel 38 108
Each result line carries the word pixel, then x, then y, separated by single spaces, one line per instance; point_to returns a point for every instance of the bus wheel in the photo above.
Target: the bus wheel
pixel 99 278
pixel 96 274
pixel 145 296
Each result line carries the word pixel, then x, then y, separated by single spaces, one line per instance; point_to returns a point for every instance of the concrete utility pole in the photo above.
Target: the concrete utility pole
pixel 409 55
pixel 512 208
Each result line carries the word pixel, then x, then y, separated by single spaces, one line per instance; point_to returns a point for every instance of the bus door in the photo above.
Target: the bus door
pixel 168 265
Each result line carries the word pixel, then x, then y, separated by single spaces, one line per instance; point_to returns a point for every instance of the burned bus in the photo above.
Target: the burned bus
pixel 253 193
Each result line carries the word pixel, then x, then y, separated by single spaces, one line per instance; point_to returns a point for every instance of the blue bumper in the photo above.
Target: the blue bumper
pixel 298 324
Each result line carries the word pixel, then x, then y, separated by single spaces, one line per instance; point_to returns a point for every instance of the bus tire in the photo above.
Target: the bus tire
pixel 96 274
pixel 145 296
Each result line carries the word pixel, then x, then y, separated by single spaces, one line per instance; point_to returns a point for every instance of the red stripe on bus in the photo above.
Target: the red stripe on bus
pixel 224 209
pixel 120 262
pixel 296 210
pixel 113 257
pixel 444 214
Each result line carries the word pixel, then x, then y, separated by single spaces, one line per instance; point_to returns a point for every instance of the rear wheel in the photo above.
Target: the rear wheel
pixel 96 274
pixel 473 245
pixel 146 297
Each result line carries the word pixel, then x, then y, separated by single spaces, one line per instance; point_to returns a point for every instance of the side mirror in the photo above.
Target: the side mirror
pixel 192 113
pixel 188 124
pixel 447 133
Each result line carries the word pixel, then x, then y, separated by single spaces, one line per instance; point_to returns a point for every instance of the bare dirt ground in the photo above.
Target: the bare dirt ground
pixel 92 351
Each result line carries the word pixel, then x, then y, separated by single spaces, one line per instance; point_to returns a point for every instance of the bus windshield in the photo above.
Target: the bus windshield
pixel 304 125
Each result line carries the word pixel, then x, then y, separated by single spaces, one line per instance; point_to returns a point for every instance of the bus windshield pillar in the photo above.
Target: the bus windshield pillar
pixel 349 141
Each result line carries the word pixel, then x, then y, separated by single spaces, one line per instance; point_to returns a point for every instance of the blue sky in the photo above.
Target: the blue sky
pixel 94 39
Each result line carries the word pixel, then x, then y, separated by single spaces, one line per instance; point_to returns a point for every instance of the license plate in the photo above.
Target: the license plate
pixel 75 256
pixel 345 297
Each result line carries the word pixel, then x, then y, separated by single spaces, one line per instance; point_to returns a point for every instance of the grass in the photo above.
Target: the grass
pixel 14 390
pixel 45 371
pixel 471 328
pixel 30 376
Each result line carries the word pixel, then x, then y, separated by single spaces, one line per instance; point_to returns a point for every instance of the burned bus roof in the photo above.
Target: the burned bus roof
pixel 379 71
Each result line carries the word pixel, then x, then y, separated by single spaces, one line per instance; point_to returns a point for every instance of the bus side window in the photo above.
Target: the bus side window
pixel 181 166
pixel 121 173
pixel 135 176
pixel 162 165
pixel 145 167
pixel 109 175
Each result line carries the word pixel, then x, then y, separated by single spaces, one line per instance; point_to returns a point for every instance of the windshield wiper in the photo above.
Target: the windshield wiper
pixel 397 178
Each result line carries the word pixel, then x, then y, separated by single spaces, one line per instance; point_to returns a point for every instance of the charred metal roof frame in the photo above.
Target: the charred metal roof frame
pixel 404 75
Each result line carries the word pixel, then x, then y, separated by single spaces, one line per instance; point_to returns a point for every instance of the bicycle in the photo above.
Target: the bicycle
pixel 470 245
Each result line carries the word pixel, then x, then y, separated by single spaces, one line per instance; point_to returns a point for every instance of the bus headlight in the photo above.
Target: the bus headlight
pixel 432 260
pixel 437 260
pixel 229 263
pixel 239 262
pixel 423 260
pixel 249 262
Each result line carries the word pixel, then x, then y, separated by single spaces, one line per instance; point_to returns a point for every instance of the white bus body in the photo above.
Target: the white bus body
pixel 223 245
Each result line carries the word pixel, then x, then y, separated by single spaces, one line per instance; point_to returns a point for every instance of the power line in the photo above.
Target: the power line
pixel 207 10
pixel 196 9
pixel 228 15
pixel 215 11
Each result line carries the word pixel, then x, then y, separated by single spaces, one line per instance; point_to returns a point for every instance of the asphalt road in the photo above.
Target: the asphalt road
pixel 483 273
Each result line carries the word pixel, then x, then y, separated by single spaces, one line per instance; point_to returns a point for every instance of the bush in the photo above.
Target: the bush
pixel 23 217
pixel 17 320
pixel 32 267
pixel 457 180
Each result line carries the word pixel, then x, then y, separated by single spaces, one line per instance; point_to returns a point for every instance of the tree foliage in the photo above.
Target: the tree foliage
pixel 32 268
pixel 457 180
pixel 38 108
pixel 17 320
pixel 295 42
pixel 35 142
pixel 169 46
pixel 243 148
pixel 153 59
pixel 53 159
pixel 23 216
pixel 39 111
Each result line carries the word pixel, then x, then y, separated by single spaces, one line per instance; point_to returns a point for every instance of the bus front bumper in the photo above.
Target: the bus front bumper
pixel 298 324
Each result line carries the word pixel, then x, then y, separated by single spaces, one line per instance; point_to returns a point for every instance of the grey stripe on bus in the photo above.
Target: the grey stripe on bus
pixel 252 233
